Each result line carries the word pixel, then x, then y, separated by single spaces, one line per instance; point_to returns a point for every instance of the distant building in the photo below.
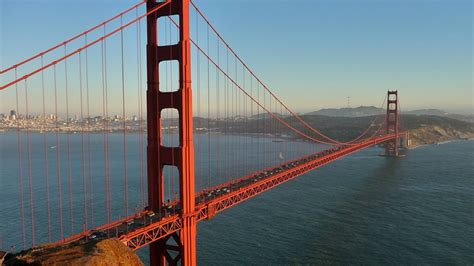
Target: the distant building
pixel 13 115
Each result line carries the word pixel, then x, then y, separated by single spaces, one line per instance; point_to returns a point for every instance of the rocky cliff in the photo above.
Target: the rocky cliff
pixel 427 129
pixel 100 252
pixel 423 129
pixel 433 134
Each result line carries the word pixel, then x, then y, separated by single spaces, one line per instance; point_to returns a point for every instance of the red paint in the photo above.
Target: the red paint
pixel 392 147
pixel 167 226
pixel 181 157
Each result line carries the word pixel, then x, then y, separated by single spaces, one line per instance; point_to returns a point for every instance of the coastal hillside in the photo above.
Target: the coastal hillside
pixel 423 129
pixel 372 110
pixel 349 112
pixel 99 252
pixel 429 129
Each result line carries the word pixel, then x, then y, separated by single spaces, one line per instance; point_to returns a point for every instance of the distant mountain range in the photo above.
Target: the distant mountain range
pixel 424 129
pixel 436 112
pixel 266 115
pixel 372 110
pixel 349 112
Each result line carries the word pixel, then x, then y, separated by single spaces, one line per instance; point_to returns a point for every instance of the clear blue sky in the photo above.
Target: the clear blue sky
pixel 314 54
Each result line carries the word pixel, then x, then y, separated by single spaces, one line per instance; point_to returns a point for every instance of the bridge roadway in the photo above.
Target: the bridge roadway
pixel 146 227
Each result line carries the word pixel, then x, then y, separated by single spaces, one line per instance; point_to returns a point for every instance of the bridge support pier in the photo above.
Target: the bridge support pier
pixel 158 155
pixel 392 147
pixel 168 251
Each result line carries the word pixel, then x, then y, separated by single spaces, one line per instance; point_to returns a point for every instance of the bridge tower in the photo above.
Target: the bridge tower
pixel 392 147
pixel 164 251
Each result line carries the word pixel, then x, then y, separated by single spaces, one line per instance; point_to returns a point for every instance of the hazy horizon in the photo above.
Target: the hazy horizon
pixel 213 114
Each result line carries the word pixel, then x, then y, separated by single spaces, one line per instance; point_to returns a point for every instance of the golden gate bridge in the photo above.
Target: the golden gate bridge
pixel 175 179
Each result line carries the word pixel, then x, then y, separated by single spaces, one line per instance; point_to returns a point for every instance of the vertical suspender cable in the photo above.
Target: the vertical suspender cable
pixel 46 159
pixel 244 117
pixel 227 118
pixel 105 119
pixel 218 139
pixel 251 122
pixel 264 132
pixel 240 116
pixel 103 125
pixel 109 193
pixel 234 122
pixel 275 131
pixel 124 120
pixel 140 129
pixel 20 166
pixel 83 157
pixel 208 116
pixel 89 169
pixel 258 128
pixel 69 170
pixel 198 107
pixel 58 157
pixel 30 173
pixel 272 131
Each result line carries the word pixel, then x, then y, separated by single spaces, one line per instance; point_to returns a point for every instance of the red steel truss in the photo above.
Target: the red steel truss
pixel 166 227
pixel 172 236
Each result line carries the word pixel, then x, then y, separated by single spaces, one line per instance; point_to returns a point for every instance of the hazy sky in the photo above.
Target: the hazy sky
pixel 313 54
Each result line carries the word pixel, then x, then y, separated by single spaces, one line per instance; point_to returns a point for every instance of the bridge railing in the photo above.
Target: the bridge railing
pixel 75 127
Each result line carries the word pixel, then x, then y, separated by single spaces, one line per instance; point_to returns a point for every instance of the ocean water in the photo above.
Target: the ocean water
pixel 62 164
pixel 362 209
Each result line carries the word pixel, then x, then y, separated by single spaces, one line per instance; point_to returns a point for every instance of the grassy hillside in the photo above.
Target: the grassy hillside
pixel 424 129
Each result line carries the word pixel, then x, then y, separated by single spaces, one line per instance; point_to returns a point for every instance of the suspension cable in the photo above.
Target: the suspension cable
pixel 46 159
pixel 331 141
pixel 265 86
pixel 41 54
pixel 105 36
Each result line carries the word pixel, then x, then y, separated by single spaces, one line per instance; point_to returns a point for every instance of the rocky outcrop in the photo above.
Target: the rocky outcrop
pixel 3 254
pixel 432 134
pixel 101 252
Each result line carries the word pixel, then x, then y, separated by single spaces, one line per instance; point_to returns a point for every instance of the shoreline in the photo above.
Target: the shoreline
pixel 441 142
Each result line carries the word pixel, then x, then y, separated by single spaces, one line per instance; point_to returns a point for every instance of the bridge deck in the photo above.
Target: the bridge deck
pixel 146 227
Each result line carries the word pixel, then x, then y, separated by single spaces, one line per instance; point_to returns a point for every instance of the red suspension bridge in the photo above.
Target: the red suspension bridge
pixel 92 174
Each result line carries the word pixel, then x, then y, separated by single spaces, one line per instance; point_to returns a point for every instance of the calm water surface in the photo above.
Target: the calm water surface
pixel 363 209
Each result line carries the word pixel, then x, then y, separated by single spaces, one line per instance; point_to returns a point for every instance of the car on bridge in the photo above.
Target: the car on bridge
pixel 98 235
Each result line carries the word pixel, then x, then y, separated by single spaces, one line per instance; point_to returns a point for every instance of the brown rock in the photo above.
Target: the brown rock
pixel 100 252
pixel 431 134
